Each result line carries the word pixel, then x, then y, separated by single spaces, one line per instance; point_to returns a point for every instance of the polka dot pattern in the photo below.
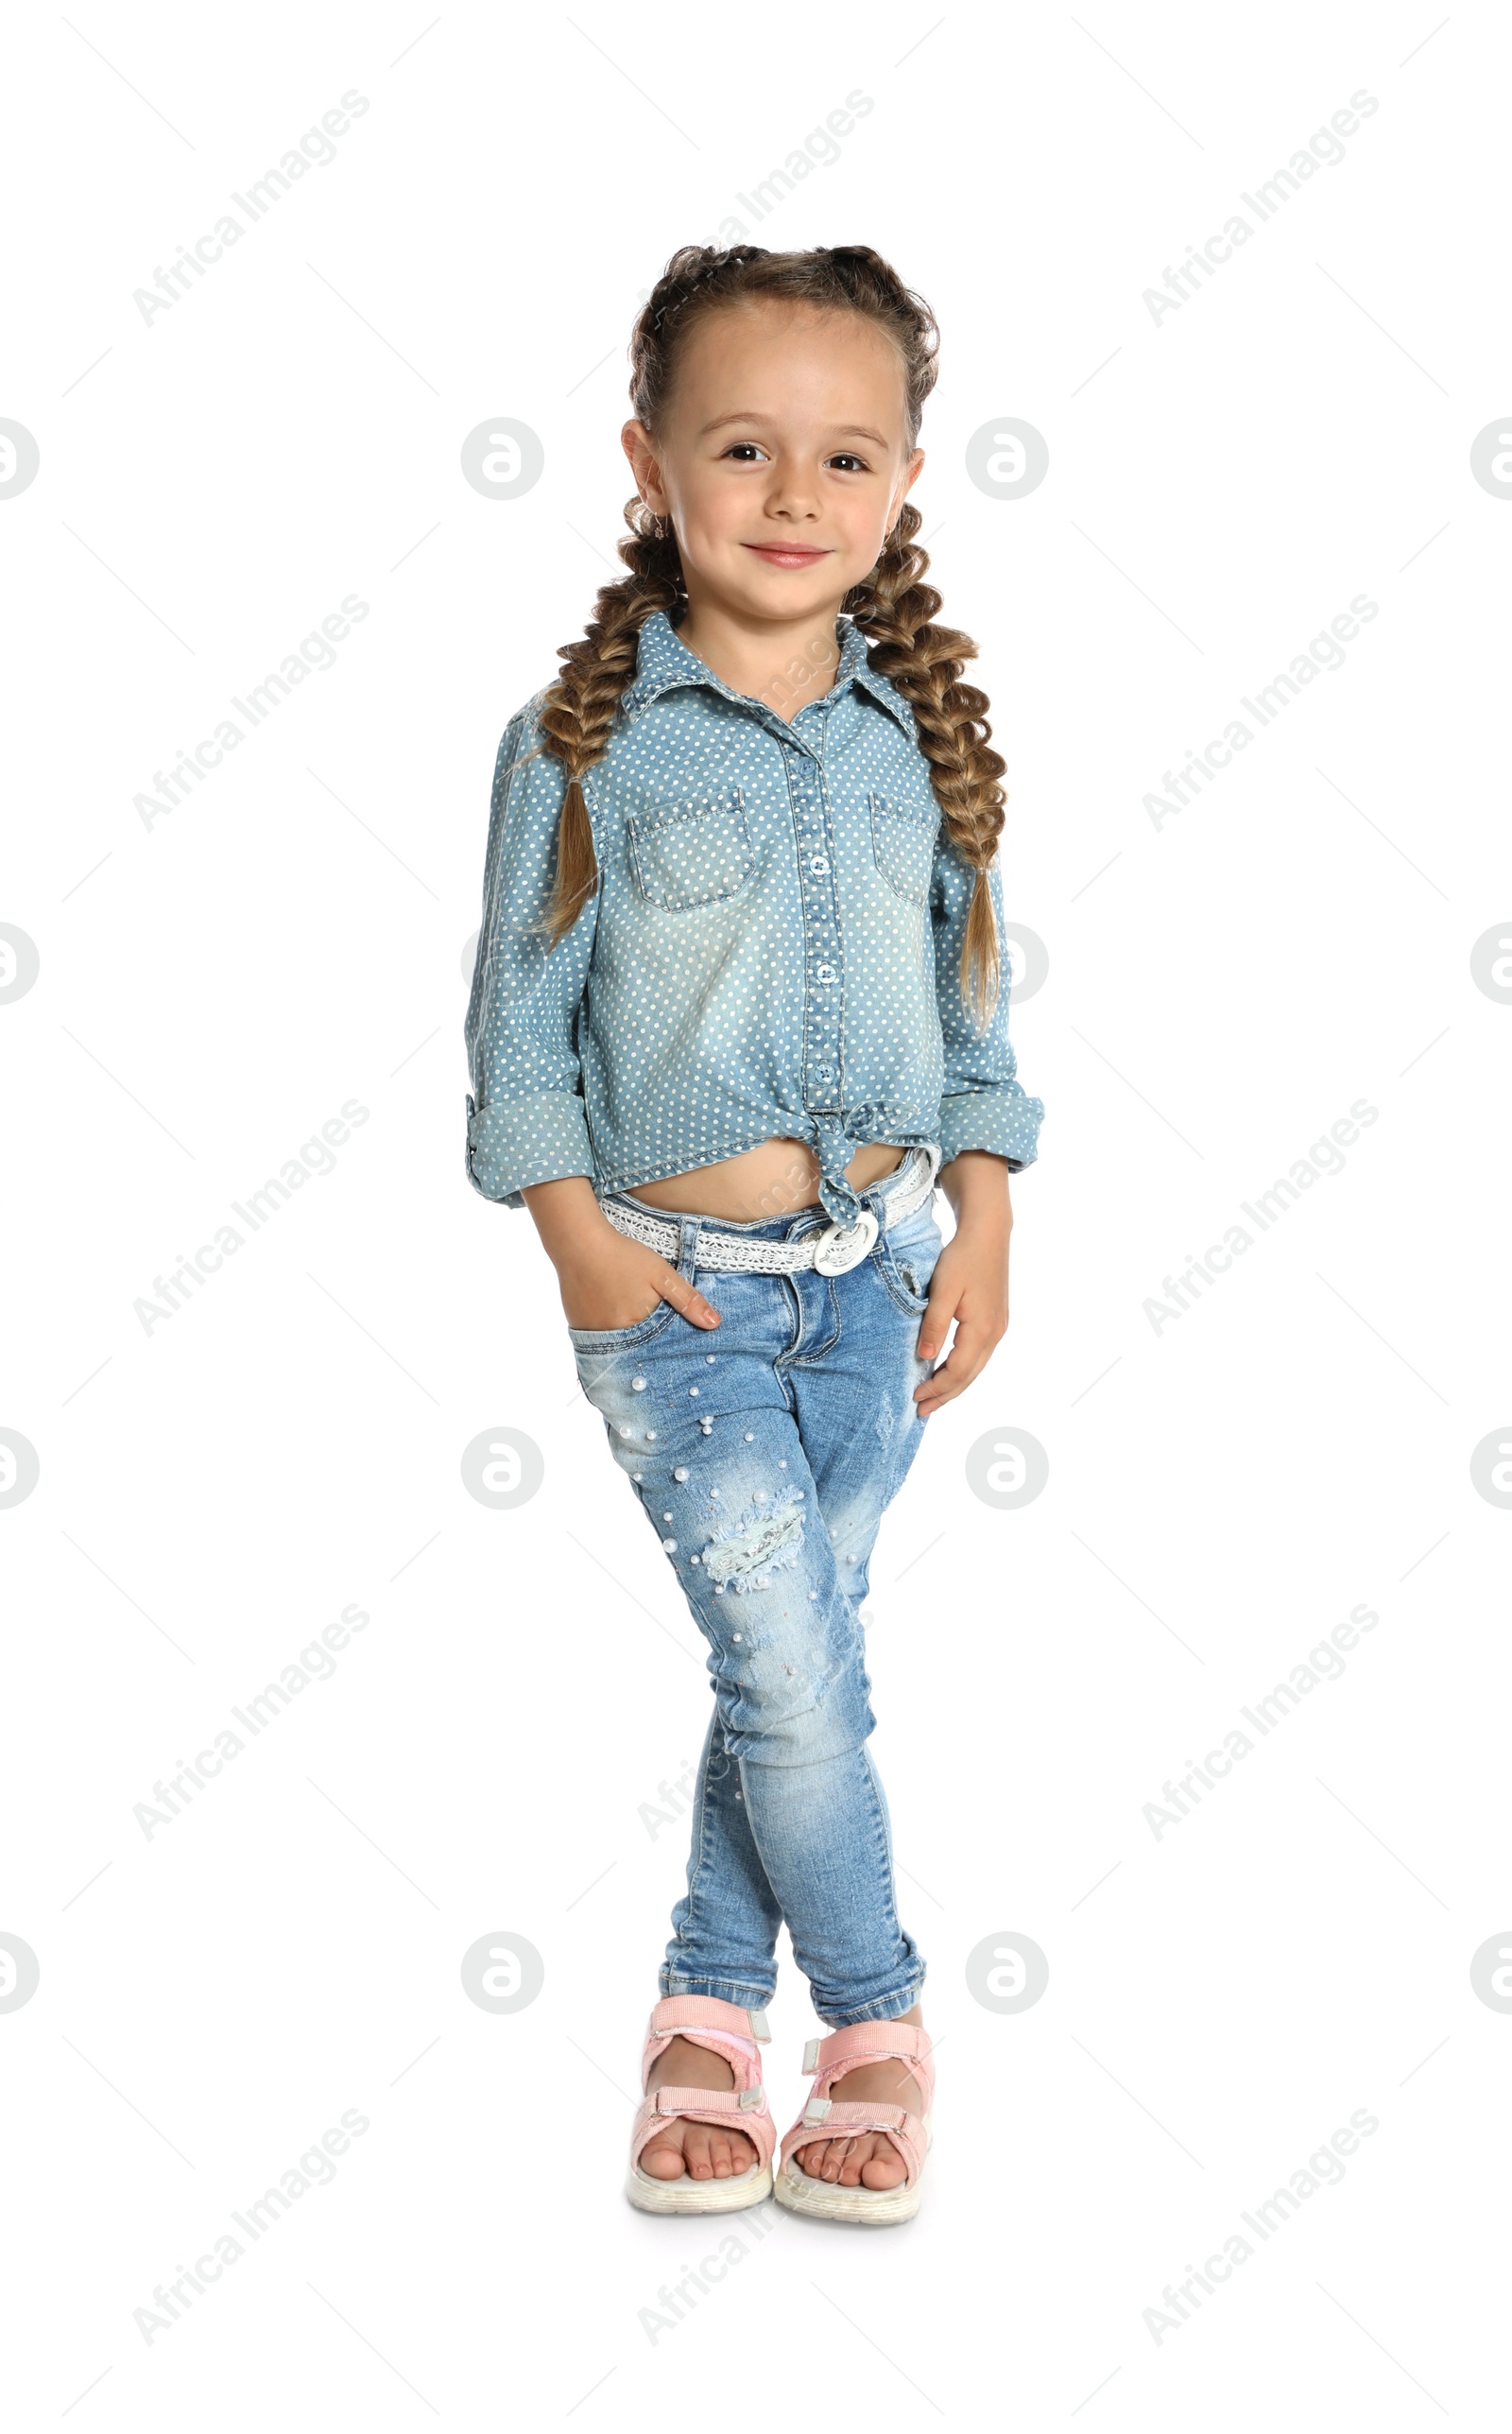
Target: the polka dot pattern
pixel 773 949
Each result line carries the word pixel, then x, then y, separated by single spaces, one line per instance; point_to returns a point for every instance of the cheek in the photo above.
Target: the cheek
pixel 712 516
pixel 864 519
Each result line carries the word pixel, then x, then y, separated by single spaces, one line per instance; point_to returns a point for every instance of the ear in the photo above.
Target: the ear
pixel 640 447
pixel 910 476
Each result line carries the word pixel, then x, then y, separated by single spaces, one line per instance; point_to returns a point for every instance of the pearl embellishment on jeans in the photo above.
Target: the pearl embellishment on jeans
pixel 679 1475
pixel 637 1386
pixel 670 1544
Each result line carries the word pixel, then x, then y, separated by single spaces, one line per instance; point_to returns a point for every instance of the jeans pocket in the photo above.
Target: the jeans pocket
pixel 613 1339
pixel 905 1259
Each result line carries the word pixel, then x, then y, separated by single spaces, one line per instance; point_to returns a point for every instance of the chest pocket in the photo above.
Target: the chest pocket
pixel 694 854
pixel 902 841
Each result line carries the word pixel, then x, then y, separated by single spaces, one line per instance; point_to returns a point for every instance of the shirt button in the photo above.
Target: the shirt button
pixel 826 972
pixel 817 862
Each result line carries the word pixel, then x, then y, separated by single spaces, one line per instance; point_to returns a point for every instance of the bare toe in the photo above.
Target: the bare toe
pixel 883 2168
pixel 695 2144
pixel 860 2152
pixel 662 2159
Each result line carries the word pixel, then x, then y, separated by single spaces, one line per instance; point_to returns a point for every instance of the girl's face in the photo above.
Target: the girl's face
pixel 783 459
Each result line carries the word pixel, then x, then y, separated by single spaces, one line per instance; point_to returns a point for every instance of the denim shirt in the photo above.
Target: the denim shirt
pixel 773 948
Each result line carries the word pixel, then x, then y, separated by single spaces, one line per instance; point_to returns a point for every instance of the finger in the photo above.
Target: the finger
pixel 686 1299
pixel 969 1354
pixel 952 1378
pixel 950 1386
pixel 936 1325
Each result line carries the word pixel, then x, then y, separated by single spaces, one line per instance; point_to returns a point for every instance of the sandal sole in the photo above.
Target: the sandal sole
pixel 688 2196
pixel 800 2191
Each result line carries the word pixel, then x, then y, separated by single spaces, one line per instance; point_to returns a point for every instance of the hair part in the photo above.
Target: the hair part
pixel 894 607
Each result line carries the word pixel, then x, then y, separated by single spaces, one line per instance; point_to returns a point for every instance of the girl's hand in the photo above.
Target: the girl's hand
pixel 607 1281
pixel 617 1283
pixel 970 1280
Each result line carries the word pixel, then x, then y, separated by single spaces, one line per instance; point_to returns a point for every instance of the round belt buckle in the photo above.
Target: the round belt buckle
pixel 842 1247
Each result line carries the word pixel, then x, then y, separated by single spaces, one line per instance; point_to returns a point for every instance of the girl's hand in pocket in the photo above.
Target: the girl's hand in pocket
pixel 607 1281
pixel 612 1282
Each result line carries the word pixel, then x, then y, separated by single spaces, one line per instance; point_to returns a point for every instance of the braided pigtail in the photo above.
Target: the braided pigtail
pixel 893 609
pixel 580 709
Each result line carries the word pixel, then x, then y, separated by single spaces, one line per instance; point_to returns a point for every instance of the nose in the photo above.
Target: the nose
pixel 794 496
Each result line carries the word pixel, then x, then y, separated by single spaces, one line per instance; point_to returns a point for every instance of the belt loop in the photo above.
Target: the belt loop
pixel 877 1195
pixel 688 1245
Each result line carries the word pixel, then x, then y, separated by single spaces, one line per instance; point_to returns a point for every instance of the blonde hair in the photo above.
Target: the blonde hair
pixel 893 608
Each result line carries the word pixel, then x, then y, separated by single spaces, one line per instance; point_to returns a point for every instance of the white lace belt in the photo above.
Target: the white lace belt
pixel 830 1248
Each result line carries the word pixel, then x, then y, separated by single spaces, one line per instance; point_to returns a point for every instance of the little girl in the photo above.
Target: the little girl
pixel 737 1003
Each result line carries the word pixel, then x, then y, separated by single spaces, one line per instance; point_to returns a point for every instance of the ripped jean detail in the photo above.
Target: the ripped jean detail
pixel 744 1554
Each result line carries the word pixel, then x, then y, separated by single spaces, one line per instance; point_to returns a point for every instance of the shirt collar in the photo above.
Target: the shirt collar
pixel 665 662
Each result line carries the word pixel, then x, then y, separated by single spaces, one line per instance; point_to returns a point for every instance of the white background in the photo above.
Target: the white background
pixel 1221 1493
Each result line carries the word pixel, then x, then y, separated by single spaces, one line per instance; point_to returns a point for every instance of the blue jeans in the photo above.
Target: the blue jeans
pixel 763 1453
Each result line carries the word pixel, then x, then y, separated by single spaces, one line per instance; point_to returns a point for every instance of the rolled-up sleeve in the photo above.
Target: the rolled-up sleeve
pixel 983 1104
pixel 526 1118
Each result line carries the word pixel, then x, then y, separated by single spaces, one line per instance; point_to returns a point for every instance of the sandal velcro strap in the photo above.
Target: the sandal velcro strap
pixel 677 2011
pixel 708 2100
pixel 722 2029
pixel 741 2111
pixel 843 2120
pixel 869 2041
pixel 829 2059
pixel 905 2131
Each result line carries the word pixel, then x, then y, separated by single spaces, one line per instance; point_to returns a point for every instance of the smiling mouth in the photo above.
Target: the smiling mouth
pixel 784 553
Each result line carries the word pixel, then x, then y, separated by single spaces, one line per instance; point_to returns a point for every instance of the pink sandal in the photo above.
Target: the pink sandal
pixel 725 2028
pixel 829 2059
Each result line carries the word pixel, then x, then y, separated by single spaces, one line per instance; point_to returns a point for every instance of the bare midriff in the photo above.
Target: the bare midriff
pixel 775 1179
